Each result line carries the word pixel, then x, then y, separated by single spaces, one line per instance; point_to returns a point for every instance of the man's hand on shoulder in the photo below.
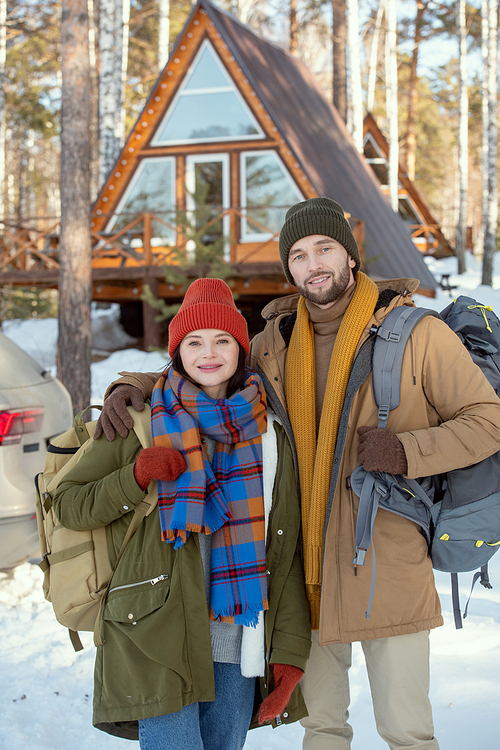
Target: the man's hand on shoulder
pixel 381 450
pixel 115 417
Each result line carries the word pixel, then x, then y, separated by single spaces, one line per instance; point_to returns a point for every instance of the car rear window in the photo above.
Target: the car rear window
pixel 17 368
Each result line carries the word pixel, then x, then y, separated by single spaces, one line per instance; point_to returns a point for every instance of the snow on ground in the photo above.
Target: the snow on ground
pixel 46 689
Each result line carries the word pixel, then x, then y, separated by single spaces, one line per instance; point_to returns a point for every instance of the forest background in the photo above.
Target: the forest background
pixel 32 88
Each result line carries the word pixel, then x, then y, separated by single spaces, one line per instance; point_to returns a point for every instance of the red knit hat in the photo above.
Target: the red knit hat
pixel 208 303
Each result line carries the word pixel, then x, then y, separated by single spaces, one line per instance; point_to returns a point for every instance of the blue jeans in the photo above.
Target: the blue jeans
pixel 216 725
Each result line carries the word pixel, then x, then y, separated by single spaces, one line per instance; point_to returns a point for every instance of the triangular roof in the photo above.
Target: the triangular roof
pixel 296 118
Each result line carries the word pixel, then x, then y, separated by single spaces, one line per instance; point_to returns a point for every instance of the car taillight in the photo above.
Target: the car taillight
pixel 14 423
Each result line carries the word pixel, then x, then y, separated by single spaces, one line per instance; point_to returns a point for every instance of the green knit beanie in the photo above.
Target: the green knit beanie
pixel 316 216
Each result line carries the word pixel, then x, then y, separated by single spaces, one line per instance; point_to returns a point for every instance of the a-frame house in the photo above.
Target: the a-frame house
pixel 237 119
pixel 425 231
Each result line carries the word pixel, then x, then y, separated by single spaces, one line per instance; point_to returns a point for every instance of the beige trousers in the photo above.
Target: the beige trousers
pixel 398 671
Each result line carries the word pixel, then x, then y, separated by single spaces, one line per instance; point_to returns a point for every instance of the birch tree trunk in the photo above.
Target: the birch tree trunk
pixel 391 78
pixel 244 8
pixel 107 82
pixel 163 33
pixel 463 148
pixel 411 136
pixel 339 58
pixel 372 73
pixel 122 25
pixel 355 66
pixel 492 202
pixel 479 244
pixel 75 274
pixel 3 52
pixel 94 104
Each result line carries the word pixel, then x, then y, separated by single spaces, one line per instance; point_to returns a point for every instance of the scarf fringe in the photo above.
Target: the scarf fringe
pixel 249 618
pixel 176 535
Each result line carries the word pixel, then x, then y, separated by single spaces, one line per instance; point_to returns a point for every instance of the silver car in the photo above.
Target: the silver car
pixel 34 407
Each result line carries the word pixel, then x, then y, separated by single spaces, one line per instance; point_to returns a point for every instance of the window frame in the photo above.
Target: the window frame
pixel 191 161
pixel 246 236
pixel 231 86
pixel 155 241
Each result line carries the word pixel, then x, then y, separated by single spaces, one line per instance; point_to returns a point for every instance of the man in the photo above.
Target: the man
pixel 314 357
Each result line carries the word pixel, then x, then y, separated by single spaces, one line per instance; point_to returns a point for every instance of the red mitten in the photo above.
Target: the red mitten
pixel 285 678
pixel 158 462
pixel 381 450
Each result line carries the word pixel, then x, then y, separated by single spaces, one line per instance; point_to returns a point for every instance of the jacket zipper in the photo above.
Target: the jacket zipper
pixel 152 581
pixel 282 437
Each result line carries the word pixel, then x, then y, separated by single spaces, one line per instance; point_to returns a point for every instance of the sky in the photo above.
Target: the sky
pixel 46 688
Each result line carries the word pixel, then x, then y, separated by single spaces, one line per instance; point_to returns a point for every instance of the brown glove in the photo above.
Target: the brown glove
pixel 114 415
pixel 381 450
pixel 285 678
pixel 158 462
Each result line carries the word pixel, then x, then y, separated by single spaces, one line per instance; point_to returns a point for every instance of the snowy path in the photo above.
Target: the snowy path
pixel 46 689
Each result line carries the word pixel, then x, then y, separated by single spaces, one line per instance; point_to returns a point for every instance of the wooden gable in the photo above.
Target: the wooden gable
pixel 141 146
pixel 424 229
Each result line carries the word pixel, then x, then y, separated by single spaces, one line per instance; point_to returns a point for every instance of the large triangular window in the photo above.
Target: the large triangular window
pixel 208 107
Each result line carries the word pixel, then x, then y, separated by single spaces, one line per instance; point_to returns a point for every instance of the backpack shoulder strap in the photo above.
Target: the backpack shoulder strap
pixel 390 344
pixel 84 430
pixel 142 424
pixel 142 428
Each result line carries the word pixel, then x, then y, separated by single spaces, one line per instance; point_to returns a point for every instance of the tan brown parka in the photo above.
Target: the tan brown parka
pixel 448 417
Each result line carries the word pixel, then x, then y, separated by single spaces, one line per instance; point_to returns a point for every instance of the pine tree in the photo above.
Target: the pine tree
pixel 339 36
pixel 355 69
pixel 75 275
pixel 3 54
pixel 411 139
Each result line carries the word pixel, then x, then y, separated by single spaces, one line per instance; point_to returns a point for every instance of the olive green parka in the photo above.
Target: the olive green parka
pixel 157 656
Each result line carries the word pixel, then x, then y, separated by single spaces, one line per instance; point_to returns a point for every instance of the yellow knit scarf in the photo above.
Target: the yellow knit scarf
pixel 316 459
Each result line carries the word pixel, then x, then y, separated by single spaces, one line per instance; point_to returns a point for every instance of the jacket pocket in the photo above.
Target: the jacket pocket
pixel 131 602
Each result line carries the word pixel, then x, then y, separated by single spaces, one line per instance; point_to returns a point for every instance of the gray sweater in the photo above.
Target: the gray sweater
pixel 226 638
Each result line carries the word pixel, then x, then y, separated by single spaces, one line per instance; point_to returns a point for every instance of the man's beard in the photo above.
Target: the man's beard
pixel 340 282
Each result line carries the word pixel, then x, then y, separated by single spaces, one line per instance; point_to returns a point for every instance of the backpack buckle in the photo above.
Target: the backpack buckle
pixel 387 335
pixel 393 336
pixel 359 558
pixel 383 412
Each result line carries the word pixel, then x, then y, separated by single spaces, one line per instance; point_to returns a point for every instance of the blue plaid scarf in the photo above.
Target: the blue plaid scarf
pixel 224 498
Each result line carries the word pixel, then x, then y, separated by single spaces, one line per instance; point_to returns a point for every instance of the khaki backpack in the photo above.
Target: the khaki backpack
pixel 76 566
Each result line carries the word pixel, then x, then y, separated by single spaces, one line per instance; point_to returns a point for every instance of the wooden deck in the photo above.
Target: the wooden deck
pixel 126 261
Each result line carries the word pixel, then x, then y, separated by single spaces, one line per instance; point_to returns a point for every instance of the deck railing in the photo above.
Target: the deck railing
pixel 33 246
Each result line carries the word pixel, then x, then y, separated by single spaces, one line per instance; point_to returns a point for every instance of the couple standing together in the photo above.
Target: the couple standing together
pixel 242 431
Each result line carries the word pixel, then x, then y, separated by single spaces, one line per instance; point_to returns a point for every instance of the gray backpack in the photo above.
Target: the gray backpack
pixel 458 512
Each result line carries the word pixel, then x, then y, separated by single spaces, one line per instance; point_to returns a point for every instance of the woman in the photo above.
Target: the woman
pixel 183 627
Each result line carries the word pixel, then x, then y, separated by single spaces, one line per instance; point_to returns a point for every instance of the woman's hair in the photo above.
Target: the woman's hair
pixel 236 381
